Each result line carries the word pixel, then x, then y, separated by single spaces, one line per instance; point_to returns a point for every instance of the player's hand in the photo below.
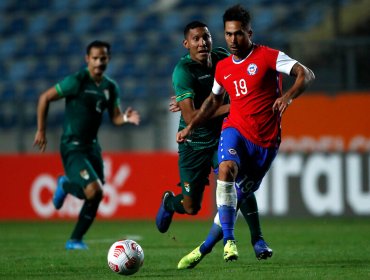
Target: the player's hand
pixel 132 116
pixel 281 104
pixel 40 140
pixel 182 135
pixel 174 106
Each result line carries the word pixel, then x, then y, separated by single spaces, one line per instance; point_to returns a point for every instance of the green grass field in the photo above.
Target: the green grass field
pixel 303 249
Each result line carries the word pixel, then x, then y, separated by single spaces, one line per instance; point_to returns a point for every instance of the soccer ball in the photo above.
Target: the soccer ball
pixel 125 257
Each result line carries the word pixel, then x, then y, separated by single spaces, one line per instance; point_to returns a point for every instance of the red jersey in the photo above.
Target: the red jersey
pixel 253 85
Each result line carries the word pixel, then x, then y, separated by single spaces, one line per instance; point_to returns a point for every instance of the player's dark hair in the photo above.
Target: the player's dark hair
pixel 192 25
pixel 98 44
pixel 237 13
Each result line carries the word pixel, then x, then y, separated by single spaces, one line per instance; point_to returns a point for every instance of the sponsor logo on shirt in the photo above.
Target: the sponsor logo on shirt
pixel 252 69
pixel 84 174
pixel 91 91
pixel 204 77
pixel 187 186
pixel 227 76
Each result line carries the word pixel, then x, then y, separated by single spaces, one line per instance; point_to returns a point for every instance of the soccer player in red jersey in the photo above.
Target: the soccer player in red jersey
pixel 251 133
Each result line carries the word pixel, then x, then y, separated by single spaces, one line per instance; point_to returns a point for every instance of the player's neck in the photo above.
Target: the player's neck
pixel 97 79
pixel 206 62
pixel 245 54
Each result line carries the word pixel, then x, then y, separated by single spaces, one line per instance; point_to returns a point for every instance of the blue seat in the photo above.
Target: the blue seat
pixel 18 70
pixel 39 23
pixel 17 25
pixel 103 24
pixel 8 47
pixel 126 21
pixel 59 25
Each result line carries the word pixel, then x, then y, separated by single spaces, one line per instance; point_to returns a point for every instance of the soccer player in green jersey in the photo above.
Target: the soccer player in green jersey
pixel 192 81
pixel 87 93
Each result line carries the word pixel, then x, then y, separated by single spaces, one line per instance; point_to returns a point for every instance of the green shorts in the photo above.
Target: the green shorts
pixel 83 165
pixel 195 167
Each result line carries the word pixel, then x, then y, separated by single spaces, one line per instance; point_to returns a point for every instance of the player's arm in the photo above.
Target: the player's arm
pixel 173 106
pixel 188 111
pixel 42 112
pixel 129 116
pixel 206 111
pixel 117 117
pixel 303 78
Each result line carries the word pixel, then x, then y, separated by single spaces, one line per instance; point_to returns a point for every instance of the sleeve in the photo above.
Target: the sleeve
pixel 279 61
pixel 182 82
pixel 116 95
pixel 284 63
pixel 217 87
pixel 68 86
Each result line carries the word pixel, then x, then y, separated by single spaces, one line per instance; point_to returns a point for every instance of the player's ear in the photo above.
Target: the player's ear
pixel 250 32
pixel 87 58
pixel 185 43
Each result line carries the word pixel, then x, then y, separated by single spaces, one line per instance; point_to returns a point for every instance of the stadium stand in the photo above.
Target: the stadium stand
pixel 44 40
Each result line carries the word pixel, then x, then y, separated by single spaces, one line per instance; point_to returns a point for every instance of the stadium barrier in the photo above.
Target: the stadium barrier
pixel 134 186
pixel 323 168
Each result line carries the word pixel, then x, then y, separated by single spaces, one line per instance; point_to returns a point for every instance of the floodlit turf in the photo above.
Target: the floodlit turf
pixel 312 249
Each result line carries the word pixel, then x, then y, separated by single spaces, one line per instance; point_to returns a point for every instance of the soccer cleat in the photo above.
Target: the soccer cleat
pixel 262 250
pixel 73 244
pixel 164 217
pixel 191 259
pixel 59 194
pixel 230 251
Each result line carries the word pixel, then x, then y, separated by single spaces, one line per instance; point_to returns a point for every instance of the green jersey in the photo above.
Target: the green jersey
pixel 85 104
pixel 193 80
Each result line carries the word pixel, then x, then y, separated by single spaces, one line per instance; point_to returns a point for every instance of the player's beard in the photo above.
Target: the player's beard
pixel 99 70
pixel 235 52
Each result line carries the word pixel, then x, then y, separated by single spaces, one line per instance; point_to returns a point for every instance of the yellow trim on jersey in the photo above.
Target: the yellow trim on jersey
pixel 59 90
pixel 181 97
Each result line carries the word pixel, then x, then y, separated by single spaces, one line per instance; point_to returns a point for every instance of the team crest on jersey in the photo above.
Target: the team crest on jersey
pixel 252 69
pixel 187 186
pixel 106 93
pixel 84 174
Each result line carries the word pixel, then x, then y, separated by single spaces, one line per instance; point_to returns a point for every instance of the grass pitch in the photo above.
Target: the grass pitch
pixel 303 249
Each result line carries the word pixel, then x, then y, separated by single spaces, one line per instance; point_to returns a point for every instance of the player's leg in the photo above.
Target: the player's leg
pixel 249 209
pixel 65 187
pixel 60 193
pixel 226 198
pixel 194 168
pixel 195 256
pixel 188 202
pixel 164 215
pixel 85 173
pixel 215 234
pixel 252 170
pixel 94 194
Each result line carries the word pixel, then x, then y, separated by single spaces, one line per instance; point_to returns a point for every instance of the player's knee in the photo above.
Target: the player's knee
pixel 228 170
pixel 192 210
pixel 98 196
pixel 191 205
pixel 94 192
